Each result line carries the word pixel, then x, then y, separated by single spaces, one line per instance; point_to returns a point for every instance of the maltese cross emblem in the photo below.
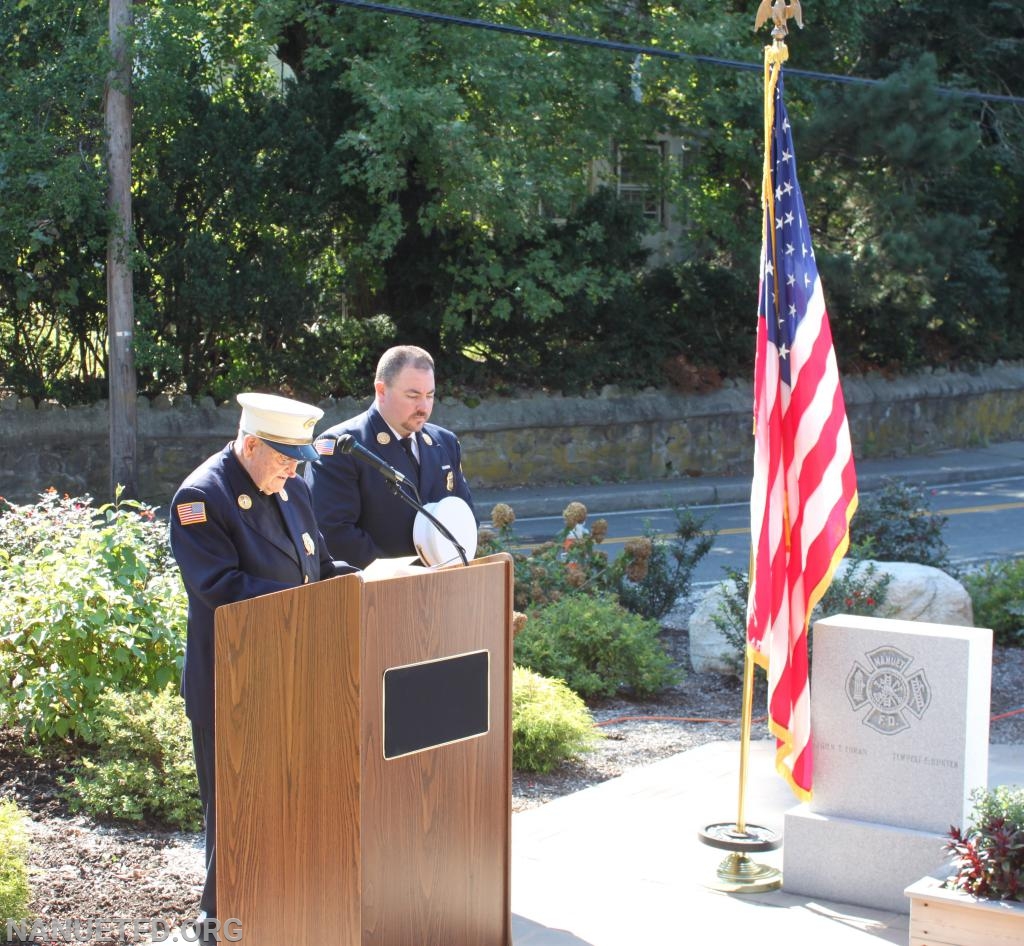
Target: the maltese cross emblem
pixel 887 690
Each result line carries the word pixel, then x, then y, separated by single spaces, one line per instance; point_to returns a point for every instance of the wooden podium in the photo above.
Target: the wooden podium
pixel 364 761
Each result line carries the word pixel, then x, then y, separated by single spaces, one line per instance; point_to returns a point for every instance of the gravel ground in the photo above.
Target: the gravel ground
pixel 83 870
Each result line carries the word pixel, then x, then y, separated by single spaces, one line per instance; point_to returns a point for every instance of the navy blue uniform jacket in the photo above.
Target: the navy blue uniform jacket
pixel 360 517
pixel 227 552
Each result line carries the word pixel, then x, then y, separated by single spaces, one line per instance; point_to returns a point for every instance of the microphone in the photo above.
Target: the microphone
pixel 348 444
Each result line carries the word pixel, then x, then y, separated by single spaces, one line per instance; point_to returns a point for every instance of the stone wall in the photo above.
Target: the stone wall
pixel 540 439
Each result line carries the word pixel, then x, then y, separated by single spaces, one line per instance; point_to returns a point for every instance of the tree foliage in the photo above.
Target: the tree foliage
pixel 52 187
pixel 313 182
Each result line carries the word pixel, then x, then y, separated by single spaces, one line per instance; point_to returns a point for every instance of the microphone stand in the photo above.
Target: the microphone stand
pixel 348 442
pixel 396 488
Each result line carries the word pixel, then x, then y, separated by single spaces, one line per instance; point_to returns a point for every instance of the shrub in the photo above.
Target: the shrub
pixel 652 591
pixel 997 598
pixel 550 723
pixel 857 588
pixel 731 616
pixel 51 524
pixel 596 646
pixel 989 855
pixel 91 604
pixel 895 524
pixel 142 769
pixel 14 887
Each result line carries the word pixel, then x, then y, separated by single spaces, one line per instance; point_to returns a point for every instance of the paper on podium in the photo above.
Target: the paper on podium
pixel 392 568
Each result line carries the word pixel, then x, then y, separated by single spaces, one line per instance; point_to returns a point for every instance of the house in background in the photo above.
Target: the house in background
pixel 639 173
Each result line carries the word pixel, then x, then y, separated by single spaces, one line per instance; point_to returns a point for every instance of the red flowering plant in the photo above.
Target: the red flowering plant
pixel 53 521
pixel 988 857
pixel 858 587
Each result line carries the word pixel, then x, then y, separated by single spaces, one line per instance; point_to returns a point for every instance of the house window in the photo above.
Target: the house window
pixel 638 172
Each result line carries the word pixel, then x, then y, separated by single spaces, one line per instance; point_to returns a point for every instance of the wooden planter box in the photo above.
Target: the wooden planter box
pixel 941 917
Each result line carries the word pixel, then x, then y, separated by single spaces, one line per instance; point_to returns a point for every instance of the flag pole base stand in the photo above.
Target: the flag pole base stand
pixel 738 873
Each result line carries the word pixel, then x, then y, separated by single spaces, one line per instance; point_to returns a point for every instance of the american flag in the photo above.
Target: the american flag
pixel 804 489
pixel 191 513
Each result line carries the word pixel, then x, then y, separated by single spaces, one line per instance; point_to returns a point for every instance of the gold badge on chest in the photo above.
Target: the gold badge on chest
pixel 427 440
pixel 307 543
pixel 450 481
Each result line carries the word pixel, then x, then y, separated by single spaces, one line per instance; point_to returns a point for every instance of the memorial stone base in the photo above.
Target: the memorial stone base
pixel 859 862
pixel 900 715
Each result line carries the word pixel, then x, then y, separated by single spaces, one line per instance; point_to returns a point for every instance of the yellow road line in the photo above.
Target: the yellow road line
pixel 743 530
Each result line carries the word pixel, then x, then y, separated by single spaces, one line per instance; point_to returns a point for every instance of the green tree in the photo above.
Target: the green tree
pixel 465 147
pixel 906 227
pixel 52 198
pixel 234 212
pixel 314 181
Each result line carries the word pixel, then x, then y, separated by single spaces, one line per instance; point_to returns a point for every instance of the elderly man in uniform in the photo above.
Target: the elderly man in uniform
pixel 242 525
pixel 361 517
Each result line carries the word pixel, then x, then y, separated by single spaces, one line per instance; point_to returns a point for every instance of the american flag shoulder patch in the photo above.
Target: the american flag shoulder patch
pixel 325 447
pixel 191 513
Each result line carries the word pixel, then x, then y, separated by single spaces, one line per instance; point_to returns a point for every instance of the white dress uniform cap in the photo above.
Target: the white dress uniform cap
pixel 454 513
pixel 284 424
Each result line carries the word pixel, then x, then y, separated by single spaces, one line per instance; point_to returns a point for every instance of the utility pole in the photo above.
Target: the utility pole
pixel 120 303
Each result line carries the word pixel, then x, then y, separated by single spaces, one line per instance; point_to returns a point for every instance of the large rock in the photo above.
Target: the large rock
pixel 923 593
pixel 915 593
pixel 677 620
pixel 710 650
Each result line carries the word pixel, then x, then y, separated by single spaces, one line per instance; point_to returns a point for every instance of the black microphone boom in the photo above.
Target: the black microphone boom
pixel 348 444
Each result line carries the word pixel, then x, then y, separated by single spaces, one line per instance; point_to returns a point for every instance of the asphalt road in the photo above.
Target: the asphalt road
pixel 984 521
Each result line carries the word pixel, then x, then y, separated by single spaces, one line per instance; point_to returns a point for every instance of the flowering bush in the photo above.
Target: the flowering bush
pixel 91 603
pixel 50 525
pixel 570 561
pixel 646 578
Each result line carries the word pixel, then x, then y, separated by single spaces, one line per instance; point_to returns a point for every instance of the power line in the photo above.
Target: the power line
pixel 637 50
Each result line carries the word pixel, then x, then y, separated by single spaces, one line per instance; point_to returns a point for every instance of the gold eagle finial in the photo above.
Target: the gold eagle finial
pixel 779 11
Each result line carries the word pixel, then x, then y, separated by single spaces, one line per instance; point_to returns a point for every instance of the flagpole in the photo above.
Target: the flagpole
pixel 745 727
pixel 738 873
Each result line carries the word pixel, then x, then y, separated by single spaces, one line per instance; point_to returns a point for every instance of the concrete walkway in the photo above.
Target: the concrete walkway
pixel 621 864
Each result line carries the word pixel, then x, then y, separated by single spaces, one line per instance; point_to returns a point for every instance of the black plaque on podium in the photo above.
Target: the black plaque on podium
pixel 436 702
